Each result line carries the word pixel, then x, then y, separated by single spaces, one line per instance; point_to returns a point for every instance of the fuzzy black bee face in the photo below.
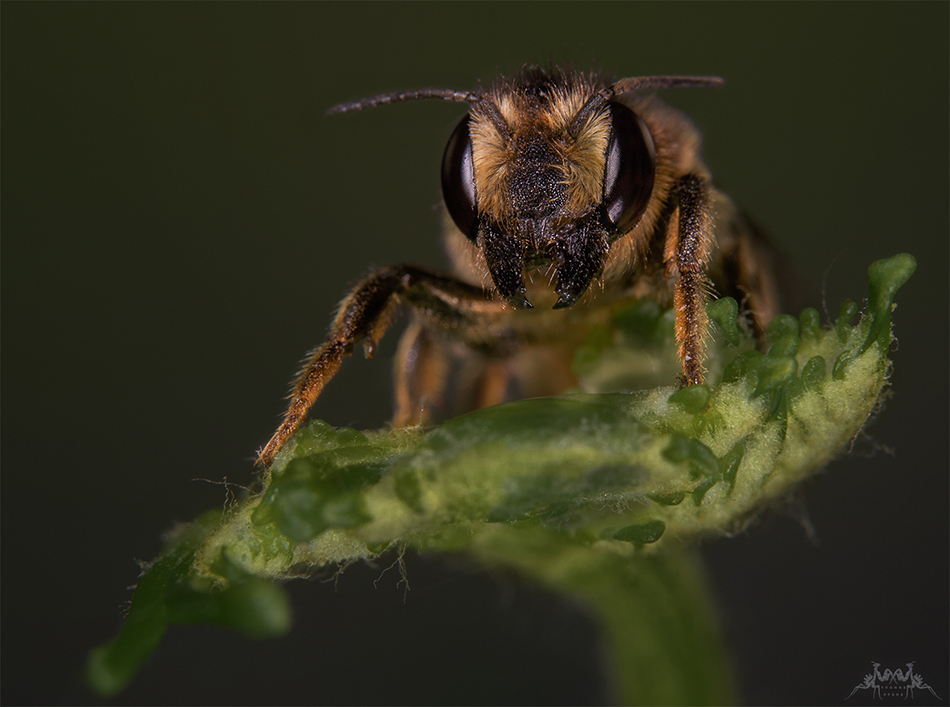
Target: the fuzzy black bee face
pixel 547 170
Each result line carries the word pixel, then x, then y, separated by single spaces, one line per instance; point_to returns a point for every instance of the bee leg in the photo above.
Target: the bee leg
pixel 686 254
pixel 419 374
pixel 363 316
pixel 491 385
pixel 753 268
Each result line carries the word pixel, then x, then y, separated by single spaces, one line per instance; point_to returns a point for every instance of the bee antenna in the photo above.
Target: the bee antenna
pixel 446 94
pixel 635 82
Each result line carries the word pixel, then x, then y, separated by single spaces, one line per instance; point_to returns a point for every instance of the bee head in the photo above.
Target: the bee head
pixel 547 169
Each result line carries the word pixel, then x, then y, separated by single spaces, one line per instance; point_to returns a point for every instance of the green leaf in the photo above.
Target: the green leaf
pixel 171 591
pixel 593 493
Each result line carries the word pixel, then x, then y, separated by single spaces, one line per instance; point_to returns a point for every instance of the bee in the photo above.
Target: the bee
pixel 566 195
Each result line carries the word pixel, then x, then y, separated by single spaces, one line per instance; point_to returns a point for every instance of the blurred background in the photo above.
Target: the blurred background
pixel 179 219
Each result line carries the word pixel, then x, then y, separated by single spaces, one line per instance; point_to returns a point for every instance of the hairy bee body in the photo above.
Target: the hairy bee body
pixel 567 196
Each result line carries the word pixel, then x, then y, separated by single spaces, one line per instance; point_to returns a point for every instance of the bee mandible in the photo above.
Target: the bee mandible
pixel 566 195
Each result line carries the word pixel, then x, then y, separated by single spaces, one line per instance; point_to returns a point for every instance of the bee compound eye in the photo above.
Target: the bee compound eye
pixel 630 170
pixel 458 179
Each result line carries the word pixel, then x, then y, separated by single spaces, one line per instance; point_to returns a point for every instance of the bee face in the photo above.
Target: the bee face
pixel 546 170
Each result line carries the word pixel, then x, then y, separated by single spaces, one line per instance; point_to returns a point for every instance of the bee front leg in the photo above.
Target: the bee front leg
pixel 363 317
pixel 687 251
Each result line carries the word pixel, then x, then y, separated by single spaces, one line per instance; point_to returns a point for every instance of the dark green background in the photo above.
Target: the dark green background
pixel 179 219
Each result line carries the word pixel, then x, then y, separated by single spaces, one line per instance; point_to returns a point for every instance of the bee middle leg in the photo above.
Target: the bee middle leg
pixel 420 371
pixel 436 377
pixel 754 272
